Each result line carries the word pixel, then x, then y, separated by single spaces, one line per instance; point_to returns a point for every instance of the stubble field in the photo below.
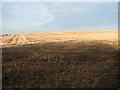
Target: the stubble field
pixel 86 59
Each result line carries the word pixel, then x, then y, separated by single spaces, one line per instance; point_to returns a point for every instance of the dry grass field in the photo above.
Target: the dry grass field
pixel 85 59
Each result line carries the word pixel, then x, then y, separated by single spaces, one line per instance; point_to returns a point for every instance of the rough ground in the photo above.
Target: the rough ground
pixel 34 38
pixel 86 59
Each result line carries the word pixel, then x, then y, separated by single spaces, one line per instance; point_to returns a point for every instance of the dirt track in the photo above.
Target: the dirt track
pixel 22 39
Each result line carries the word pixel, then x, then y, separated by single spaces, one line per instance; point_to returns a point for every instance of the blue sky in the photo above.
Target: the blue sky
pixel 34 17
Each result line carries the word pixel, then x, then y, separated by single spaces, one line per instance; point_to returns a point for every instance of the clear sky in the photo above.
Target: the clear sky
pixel 34 17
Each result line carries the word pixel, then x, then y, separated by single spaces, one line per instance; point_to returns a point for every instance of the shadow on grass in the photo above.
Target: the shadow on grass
pixel 63 64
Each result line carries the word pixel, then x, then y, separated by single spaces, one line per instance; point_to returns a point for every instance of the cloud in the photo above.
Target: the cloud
pixel 63 8
pixel 37 17
pixel 0 18
pixel 60 0
pixel 25 15
pixel 109 27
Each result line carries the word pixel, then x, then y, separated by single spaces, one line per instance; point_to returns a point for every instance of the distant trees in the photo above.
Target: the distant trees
pixel 5 34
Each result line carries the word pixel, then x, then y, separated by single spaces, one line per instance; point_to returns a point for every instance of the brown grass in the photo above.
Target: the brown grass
pixel 65 64
pixel 22 39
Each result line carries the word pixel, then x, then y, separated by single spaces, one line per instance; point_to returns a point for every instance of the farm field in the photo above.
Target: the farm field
pixel 22 39
pixel 84 59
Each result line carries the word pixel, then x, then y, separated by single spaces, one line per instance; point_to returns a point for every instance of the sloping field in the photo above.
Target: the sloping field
pixel 86 59
pixel 22 39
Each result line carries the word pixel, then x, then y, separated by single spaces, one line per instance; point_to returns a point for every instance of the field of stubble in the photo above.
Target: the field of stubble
pixel 86 59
